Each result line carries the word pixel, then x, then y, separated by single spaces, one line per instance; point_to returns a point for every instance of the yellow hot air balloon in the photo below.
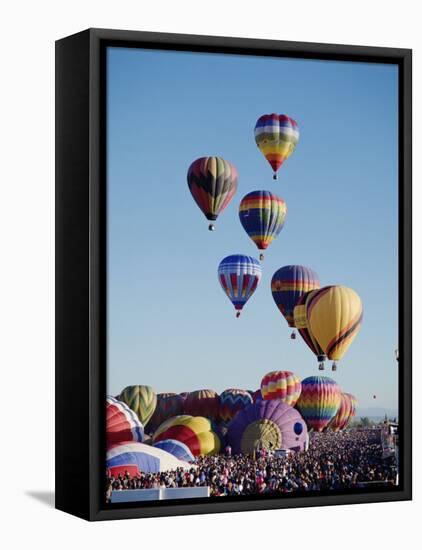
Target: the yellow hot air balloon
pixel 334 315
pixel 194 431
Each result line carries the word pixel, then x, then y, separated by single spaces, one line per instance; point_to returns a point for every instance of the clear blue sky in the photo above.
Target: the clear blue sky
pixel 170 324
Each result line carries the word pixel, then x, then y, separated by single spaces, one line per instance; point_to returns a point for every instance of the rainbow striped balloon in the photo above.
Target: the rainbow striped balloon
pixel 319 401
pixel 353 405
pixel 277 137
pixel 262 215
pixel 282 385
pixel 342 417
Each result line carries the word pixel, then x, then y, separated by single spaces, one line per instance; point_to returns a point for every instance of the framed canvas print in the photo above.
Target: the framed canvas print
pixel 233 327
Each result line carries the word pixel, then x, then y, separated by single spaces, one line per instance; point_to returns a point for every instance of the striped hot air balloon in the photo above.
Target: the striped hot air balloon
pixel 302 325
pixel 175 448
pixel 262 215
pixel 267 425
pixel 334 316
pixel 122 424
pixel 232 401
pixel 213 183
pixel 277 137
pixel 194 431
pixel 141 399
pixel 282 385
pixel 288 284
pixel 353 405
pixel 319 401
pixel 239 277
pixel 144 458
pixel 343 415
pixel 168 405
pixel 202 403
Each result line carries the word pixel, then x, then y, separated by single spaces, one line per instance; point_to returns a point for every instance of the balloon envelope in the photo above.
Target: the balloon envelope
pixel 319 401
pixel 283 385
pixel 256 395
pixel 122 424
pixel 353 405
pixel 141 399
pixel 213 183
pixel 288 284
pixel 175 448
pixel 144 457
pixel 267 425
pixel 301 323
pixel 232 401
pixel 168 405
pixel 239 276
pixel 343 415
pixel 262 216
pixel 202 403
pixel 277 137
pixel 335 316
pixel 194 431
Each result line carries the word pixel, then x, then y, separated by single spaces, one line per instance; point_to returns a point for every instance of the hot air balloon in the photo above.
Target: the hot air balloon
pixel 143 457
pixel 288 284
pixel 141 399
pixel 256 395
pixel 194 431
pixel 122 424
pixel 276 137
pixel 168 405
pixel 334 316
pixel 319 401
pixel 353 405
pixel 262 216
pixel 213 183
pixel 301 323
pixel 175 448
pixel 282 385
pixel 343 415
pixel 232 401
pixel 203 403
pixel 267 425
pixel 239 276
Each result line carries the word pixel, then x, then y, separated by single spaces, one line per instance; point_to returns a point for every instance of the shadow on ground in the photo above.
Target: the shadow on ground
pixel 45 497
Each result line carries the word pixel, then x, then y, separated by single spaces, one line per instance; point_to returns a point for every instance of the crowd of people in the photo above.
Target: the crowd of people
pixel 334 461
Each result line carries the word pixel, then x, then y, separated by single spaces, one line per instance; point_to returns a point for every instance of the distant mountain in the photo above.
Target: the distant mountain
pixel 376 412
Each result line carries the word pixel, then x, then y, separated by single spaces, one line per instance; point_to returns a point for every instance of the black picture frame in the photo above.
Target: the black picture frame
pixel 81 261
